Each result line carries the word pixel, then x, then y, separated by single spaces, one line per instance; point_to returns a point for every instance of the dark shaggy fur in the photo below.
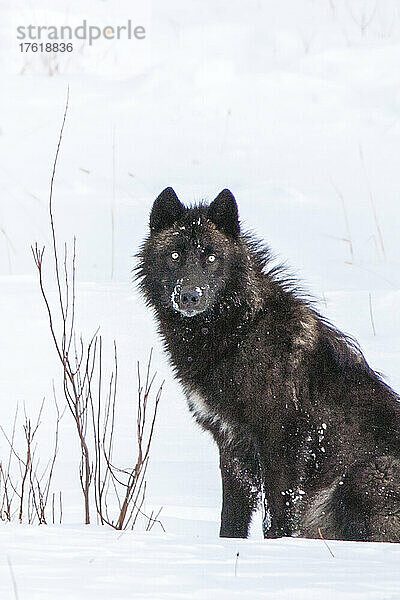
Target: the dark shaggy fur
pixel 299 417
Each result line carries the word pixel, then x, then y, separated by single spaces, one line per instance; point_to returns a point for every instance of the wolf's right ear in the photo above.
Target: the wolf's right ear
pixel 223 212
pixel 167 209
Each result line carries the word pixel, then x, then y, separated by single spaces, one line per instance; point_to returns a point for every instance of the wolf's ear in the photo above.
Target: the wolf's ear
pixel 223 212
pixel 167 209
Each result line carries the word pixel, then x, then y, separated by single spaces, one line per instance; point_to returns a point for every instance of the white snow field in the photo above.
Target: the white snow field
pixel 293 105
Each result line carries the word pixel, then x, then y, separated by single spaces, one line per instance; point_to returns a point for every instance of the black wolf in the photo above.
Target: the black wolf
pixel 299 417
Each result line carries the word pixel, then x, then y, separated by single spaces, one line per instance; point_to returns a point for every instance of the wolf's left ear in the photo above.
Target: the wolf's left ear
pixel 167 209
pixel 223 212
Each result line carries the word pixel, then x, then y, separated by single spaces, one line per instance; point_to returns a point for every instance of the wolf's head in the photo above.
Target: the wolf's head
pixel 190 254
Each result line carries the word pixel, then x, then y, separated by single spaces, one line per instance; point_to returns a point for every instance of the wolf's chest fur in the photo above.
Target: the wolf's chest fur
pixel 209 418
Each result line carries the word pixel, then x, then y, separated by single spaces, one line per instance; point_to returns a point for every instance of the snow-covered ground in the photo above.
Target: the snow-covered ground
pixel 72 562
pixel 293 105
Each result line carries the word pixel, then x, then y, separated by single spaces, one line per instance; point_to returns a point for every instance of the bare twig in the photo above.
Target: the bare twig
pixel 74 382
pixel 30 488
pixel 347 224
pixel 371 314
pixel 128 485
pixel 364 20
pixel 325 542
pixel 61 509
pixel 13 580
pixel 236 563
pixel 92 409
pixel 373 207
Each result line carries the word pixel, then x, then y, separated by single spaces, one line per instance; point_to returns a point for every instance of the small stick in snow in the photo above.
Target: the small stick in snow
pixel 14 583
pixel 373 207
pixel 371 314
pixel 236 563
pixel 325 542
pixel 347 223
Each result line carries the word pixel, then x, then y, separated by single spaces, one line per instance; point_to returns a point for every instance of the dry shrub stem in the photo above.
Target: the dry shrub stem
pixel 325 542
pixel 29 489
pixel 93 411
pixel 347 239
pixel 373 206
pixel 371 313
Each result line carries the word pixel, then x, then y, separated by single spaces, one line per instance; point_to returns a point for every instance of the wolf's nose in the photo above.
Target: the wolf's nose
pixel 190 298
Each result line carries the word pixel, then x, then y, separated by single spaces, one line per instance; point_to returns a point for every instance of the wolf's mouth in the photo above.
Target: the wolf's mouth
pixel 190 312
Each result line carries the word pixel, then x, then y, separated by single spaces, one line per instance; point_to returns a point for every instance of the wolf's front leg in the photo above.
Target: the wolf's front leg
pixel 279 489
pixel 241 487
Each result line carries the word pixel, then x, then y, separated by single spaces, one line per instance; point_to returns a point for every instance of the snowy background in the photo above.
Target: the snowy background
pixel 293 105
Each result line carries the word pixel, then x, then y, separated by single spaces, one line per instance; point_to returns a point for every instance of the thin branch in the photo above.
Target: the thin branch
pixel 325 542
pixel 371 313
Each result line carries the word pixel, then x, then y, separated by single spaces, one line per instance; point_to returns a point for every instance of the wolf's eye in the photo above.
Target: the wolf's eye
pixel 175 255
pixel 211 258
